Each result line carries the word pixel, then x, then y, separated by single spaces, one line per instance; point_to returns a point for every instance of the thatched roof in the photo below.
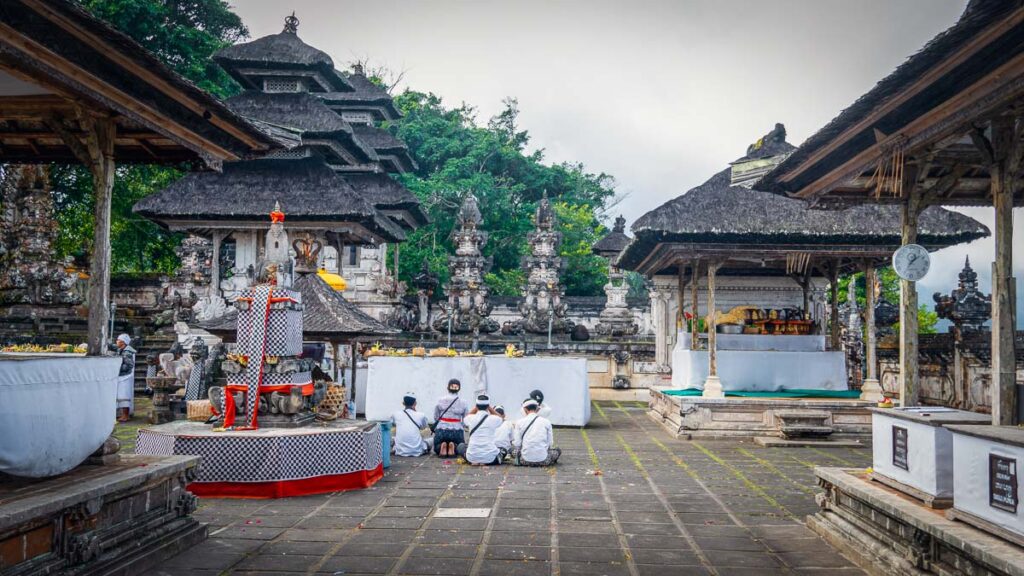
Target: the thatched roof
pixel 386 144
pixel 978 16
pixel 304 113
pixel 365 95
pixel 388 194
pixel 307 189
pixel 325 314
pixel 613 242
pixel 717 213
pixel 284 51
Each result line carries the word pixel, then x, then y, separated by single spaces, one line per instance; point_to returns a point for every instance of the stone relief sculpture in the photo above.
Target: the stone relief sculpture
pixel 467 309
pixel 542 308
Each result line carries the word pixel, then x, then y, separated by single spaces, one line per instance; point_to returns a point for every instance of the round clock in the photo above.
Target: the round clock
pixel 911 262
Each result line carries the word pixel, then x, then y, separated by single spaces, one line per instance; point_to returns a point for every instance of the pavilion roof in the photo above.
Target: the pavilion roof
pixel 278 52
pixel 304 113
pixel 613 242
pixel 388 194
pixel 716 213
pixel 386 145
pixel 308 188
pixel 326 313
pixel 57 59
pixel 959 78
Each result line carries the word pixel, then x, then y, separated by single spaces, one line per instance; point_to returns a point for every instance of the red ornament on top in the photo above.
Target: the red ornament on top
pixel 276 215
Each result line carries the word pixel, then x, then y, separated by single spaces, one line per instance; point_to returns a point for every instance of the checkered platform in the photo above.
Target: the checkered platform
pixel 269 456
pixel 283 328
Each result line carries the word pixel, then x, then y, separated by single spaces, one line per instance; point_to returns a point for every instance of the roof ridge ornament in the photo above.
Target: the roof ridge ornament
pixel 291 24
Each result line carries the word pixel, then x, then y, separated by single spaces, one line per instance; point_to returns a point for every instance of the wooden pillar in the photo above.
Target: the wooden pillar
pixel 681 297
pixel 713 385
pixel 833 312
pixel 1006 147
pixel 659 316
pixel 95 149
pixel 909 387
pixel 694 295
pixel 871 389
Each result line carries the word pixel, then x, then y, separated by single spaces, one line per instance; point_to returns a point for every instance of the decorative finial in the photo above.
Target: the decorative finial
pixel 357 69
pixel 620 224
pixel 291 24
pixel 276 215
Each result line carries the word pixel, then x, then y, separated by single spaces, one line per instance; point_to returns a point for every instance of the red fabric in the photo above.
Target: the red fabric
pixel 452 420
pixel 287 488
pixel 307 388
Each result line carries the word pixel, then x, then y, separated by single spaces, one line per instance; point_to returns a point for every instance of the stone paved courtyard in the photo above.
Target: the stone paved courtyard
pixel 657 506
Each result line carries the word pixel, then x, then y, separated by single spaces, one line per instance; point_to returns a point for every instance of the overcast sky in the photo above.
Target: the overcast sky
pixel 659 94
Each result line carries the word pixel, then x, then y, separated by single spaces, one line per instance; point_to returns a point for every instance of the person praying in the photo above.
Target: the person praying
pixel 503 435
pixel 482 422
pixel 543 409
pixel 533 437
pixel 448 415
pixel 410 428
pixel 125 379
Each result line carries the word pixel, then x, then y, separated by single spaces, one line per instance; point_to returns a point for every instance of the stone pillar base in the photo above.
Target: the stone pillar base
pixel 871 391
pixel 713 388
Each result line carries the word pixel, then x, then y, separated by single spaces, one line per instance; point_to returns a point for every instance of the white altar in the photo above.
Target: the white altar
pixel 761 363
pixel 508 381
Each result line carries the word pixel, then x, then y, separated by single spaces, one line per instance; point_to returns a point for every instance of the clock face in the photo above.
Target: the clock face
pixel 911 262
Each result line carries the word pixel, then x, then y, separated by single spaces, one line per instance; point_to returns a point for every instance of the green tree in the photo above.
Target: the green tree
pixel 184 34
pixel 457 156
pixel 890 282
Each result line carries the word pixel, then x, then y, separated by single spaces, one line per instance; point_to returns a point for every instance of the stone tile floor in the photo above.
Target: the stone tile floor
pixel 657 506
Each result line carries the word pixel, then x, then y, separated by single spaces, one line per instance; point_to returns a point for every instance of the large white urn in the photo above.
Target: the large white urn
pixel 55 410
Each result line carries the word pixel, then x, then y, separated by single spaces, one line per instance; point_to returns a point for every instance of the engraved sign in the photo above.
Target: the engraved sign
pixel 899 448
pixel 1002 483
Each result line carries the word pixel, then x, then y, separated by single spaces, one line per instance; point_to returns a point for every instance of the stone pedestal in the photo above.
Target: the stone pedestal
pixel 121 519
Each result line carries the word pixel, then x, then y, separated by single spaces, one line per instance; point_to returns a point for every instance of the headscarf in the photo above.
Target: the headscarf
pixel 483 401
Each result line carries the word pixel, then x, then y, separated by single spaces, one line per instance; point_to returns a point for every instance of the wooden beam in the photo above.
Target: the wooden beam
pixel 695 295
pixel 99 144
pixel 909 212
pixel 1006 146
pixel 871 389
pixel 713 385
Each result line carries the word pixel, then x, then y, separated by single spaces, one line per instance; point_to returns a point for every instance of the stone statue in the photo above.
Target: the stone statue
pixel 426 284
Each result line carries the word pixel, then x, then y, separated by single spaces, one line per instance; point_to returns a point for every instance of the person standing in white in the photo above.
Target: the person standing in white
pixel 533 437
pixel 125 379
pixel 482 422
pixel 409 425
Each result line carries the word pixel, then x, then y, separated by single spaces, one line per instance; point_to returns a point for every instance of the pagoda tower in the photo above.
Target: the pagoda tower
pixel 467 309
pixel 542 307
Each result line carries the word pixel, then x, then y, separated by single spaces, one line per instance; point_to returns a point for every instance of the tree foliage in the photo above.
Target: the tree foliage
pixel 890 283
pixel 457 156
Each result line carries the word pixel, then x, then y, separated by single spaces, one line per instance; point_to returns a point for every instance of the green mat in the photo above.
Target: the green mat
pixel 791 393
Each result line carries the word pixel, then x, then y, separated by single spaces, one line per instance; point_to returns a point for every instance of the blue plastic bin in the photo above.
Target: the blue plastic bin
pixel 385 443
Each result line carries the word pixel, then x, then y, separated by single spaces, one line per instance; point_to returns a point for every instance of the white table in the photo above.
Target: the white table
pixel 508 381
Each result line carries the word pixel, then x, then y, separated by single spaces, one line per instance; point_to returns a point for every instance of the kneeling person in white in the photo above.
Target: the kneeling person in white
pixel 533 437
pixel 409 426
pixel 482 422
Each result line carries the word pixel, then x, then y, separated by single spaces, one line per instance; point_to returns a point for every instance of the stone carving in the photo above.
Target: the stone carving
pixel 426 284
pixel 542 308
pixel 467 309
pixel 853 339
pixel 29 272
pixel 966 307
pixel 196 256
pixel 616 318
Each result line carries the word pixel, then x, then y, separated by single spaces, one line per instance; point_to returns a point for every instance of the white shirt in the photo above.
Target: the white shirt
pixel 503 436
pixel 408 441
pixel 534 446
pixel 481 448
pixel 544 410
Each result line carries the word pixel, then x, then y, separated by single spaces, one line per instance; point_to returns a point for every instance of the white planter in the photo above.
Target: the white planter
pixel 925 458
pixel 55 410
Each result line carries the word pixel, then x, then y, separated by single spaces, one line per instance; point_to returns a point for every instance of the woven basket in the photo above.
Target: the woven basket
pixel 199 410
pixel 334 399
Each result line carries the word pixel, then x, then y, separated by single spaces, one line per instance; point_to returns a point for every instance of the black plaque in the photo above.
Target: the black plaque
pixel 1002 483
pixel 899 448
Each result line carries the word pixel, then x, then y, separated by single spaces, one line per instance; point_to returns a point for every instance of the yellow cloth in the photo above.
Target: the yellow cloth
pixel 333 280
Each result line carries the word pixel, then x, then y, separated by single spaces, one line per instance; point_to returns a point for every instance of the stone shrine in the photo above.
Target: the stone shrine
pixel 966 307
pixel 616 318
pixel 542 308
pixel 467 309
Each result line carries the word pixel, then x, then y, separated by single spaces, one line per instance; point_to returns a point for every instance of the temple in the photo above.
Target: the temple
pixel 333 175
